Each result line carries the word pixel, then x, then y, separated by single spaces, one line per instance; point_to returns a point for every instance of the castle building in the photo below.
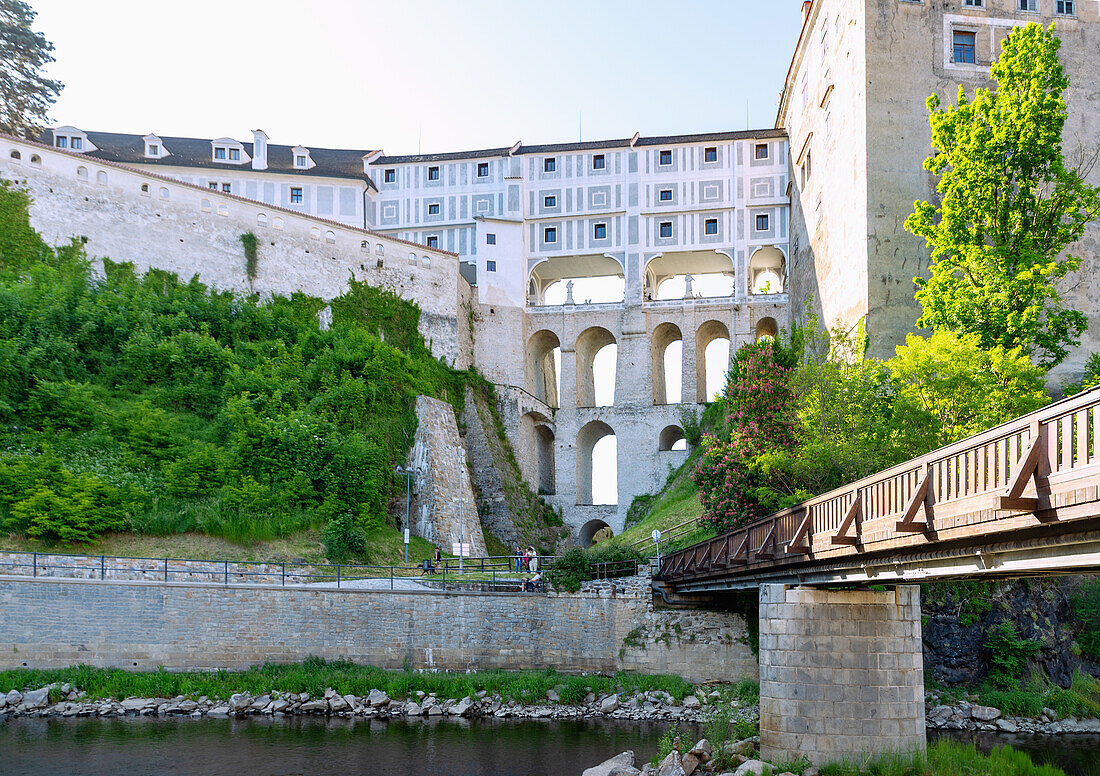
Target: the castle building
pixel 854 107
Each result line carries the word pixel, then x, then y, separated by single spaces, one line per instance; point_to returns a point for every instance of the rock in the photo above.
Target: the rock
pixel 671 765
pixel 187 706
pixel 338 703
pixel 260 703
pixel 553 697
pixel 218 711
pixel 608 766
pixel 462 708
pixel 279 706
pixel 940 712
pixel 434 710
pixel 589 698
pixel 37 699
pixel 313 706
pixel 691 702
pixel 1051 713
pixel 134 704
pixel 703 747
pixel 378 698
pixel 1006 726
pixel 743 747
pixel 814 771
pixel 984 713
pixel 754 767
pixel 609 704
pixel 240 701
pixel 689 763
pixel 412 709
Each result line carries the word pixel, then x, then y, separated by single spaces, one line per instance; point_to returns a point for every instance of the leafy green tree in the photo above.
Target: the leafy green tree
pixel 1009 205
pixel 25 94
pixel 963 387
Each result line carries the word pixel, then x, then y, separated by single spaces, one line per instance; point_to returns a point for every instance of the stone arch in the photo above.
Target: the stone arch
pixel 587 439
pixel 670 438
pixel 766 271
pixel 766 327
pixel 709 332
pixel 587 535
pixel 666 335
pixel 542 366
pixel 589 344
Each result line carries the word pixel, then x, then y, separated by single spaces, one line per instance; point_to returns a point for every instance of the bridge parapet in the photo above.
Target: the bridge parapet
pixel 1021 497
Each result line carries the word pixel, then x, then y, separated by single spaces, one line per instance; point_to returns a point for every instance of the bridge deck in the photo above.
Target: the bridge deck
pixel 1021 498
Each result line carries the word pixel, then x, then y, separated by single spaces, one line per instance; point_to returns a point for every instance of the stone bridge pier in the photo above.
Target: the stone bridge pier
pixel 841 672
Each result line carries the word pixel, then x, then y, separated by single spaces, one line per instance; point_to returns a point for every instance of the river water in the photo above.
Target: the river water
pixel 310 746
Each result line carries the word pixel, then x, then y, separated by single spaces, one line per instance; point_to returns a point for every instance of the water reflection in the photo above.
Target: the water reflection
pixel 1077 755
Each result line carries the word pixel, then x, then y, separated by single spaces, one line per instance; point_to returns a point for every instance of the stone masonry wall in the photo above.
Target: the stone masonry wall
pixel 442 482
pixel 493 504
pixel 62 622
pixel 841 672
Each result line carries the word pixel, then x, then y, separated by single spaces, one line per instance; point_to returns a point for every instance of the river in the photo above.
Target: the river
pixel 310 746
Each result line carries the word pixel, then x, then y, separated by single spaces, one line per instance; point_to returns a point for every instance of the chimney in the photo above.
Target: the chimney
pixel 259 149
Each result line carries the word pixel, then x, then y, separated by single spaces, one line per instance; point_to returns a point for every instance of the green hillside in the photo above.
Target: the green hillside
pixel 152 406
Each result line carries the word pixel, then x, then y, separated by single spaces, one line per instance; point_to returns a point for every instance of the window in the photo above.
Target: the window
pixel 433 209
pixel 490 239
pixel 483 169
pixel 550 201
pixel 710 226
pixel 665 195
pixel 433 242
pixel 61 141
pixel 762 222
pixel 598 162
pixel 599 232
pixel 807 168
pixel 390 176
pixel 974 3
pixel 219 153
pixel 1065 7
pixel 295 195
pixel 964 47
pixel 666 229
pixel 433 173
pixel 299 160
pixel 710 154
pixel 234 154
pixel 77 143
pixel 1027 5
pixel 550 234
pixel 212 185
pixel 549 164
pixel 227 188
pixel 665 158
pixel 761 150
pixel 490 265
pixel 154 149
pixel 145 189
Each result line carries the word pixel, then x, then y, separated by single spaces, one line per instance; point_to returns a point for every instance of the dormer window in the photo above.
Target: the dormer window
pixel 61 142
pixel 299 160
pixel 302 160
pixel 226 149
pixel 76 143
pixel 219 153
pixel 154 149
pixel 234 154
pixel 72 139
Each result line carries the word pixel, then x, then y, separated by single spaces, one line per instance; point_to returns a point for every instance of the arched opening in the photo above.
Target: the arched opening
pixel 426 261
pixel 330 237
pixel 766 328
pixel 766 273
pixel 36 159
pixel 82 173
pixel 544 440
pixel 145 189
pixel 672 438
pixel 277 222
pixel 576 280
pixel 712 359
pixel 597 464
pixel 15 155
pixel 101 179
pixel 261 219
pixel 667 352
pixel 594 532
pixel 596 352
pixel 163 191
pixel 544 367
pixel 689 274
pixel 315 234
pixel 223 209
pixel 205 206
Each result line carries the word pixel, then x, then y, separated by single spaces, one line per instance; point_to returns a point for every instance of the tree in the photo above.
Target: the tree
pixel 1009 206
pixel 25 94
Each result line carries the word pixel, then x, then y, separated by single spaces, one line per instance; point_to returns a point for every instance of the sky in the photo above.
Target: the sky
pixel 423 75
pixel 433 75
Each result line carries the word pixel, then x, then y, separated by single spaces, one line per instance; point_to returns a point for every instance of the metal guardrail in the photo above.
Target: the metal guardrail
pixel 1039 468
pixel 677 531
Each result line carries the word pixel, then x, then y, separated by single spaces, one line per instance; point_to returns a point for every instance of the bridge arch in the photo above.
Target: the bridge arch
pixel 712 357
pixel 543 355
pixel 593 532
pixel 595 463
pixel 666 349
pixel 591 343
pixel 766 327
pixel 540 431
pixel 671 438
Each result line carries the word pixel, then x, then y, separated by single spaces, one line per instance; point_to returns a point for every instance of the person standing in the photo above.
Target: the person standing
pixel 518 557
pixel 533 559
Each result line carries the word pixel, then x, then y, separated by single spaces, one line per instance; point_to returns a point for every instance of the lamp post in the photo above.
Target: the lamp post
pixel 407 472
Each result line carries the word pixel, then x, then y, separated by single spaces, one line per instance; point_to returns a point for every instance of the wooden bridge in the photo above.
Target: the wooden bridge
pixel 1017 500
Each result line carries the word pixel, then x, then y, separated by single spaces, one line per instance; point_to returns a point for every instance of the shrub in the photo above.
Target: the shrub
pixel 1008 655
pixel 344 539
pixel 1086 609
pixel 576 566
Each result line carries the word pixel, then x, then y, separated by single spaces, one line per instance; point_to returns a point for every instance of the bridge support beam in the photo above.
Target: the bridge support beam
pixel 841 672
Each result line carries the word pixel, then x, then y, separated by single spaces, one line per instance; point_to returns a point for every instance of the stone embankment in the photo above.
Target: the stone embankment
pixel 700 759
pixel 67 701
pixel 967 715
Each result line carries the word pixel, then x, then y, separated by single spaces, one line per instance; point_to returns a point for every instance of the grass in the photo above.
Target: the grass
pixel 315 676
pixel 1081 699
pixel 945 758
pixel 676 503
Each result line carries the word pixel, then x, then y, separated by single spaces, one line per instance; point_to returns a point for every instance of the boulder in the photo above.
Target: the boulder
pixel 743 746
pixel 671 765
pixel 412 709
pixel 626 759
pixel 310 707
pixel 984 713
pixel 260 703
pixel 279 706
pixel 240 701
pixel 753 767
pixel 609 704
pixel 338 703
pixel 378 698
pixel 462 708
pixel 187 706
pixel 218 711
pixel 37 699
pixel 690 763
pixel 703 747
pixel 553 697
pixel 1006 726
pixel 134 704
pixel 691 702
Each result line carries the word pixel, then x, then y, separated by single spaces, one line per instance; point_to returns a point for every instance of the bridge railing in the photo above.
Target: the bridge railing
pixel 998 480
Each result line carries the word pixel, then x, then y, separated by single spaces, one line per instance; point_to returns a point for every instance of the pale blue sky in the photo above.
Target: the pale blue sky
pixel 455 74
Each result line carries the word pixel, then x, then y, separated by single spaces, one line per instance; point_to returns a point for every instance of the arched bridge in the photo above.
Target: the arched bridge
pixel 1017 500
